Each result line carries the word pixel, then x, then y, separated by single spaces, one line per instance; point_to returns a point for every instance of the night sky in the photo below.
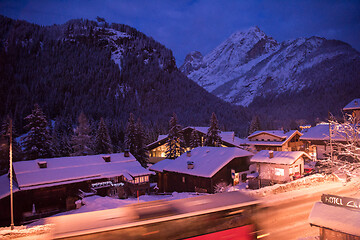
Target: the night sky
pixel 184 26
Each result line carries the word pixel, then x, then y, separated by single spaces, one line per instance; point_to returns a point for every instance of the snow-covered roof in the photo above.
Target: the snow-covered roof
pixel 353 105
pixel 5 186
pixel 75 169
pixel 336 218
pixel 207 161
pixel 321 132
pixel 280 157
pixel 200 129
pixel 228 137
pixel 161 137
pixel 276 133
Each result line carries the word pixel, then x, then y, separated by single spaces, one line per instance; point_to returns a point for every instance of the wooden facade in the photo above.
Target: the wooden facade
pixel 157 149
pixel 181 182
pixel 265 140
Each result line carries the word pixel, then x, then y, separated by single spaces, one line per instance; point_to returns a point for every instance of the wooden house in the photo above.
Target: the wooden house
pixel 353 108
pixel 201 169
pixel 278 166
pixel 276 140
pixel 48 186
pixel 157 149
pixel 317 139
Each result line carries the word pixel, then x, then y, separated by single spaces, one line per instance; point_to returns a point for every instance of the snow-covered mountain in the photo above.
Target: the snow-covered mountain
pixel 251 64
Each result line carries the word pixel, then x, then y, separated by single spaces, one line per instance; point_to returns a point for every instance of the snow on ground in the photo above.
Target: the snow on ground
pixel 305 182
pixel 24 232
pixel 96 203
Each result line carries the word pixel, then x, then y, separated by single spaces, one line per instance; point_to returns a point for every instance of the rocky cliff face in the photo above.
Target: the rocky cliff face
pixel 251 64
pixel 192 62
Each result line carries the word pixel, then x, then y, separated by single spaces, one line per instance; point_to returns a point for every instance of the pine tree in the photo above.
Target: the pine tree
pixel 130 135
pixel 212 138
pixel 61 137
pixel 102 139
pixel 195 139
pixel 254 125
pixel 37 142
pixel 81 140
pixel 141 153
pixel 174 145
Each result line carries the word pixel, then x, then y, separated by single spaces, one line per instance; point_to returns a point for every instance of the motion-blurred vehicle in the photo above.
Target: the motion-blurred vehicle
pixel 217 216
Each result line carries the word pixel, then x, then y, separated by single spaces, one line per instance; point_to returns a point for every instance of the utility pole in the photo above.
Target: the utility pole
pixel 11 180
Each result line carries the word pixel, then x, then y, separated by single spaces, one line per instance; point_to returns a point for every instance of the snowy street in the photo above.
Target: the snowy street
pixel 282 216
pixel 285 215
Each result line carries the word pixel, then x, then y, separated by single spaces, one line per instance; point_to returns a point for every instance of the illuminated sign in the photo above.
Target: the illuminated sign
pixel 106 184
pixel 338 201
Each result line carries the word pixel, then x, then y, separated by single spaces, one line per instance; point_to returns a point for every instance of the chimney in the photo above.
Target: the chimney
pixel 356 103
pixel 271 154
pixel 126 153
pixel 190 165
pixel 188 153
pixel 107 158
pixel 42 164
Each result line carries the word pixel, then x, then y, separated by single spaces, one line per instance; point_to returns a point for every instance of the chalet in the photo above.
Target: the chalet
pixel 47 186
pixel 353 108
pixel 317 139
pixel 201 169
pixel 276 140
pixel 157 149
pixel 278 166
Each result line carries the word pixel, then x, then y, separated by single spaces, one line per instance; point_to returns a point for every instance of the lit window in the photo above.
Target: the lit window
pixel 183 179
pixel 279 172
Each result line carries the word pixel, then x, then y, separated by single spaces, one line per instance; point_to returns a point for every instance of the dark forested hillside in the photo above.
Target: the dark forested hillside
pixel 332 88
pixel 104 71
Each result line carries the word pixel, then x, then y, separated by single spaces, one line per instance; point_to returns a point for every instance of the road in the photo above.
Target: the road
pixel 282 216
pixel 287 217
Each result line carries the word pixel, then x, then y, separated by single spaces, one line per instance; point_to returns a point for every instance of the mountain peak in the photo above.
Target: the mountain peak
pixel 250 33
pixel 192 62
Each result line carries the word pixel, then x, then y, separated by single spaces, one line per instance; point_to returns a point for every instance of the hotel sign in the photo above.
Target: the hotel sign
pixel 339 201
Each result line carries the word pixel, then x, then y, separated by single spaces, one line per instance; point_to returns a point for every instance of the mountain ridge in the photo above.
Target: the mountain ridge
pixel 273 68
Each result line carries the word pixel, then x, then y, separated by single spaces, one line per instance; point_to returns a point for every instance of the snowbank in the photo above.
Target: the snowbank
pixel 35 232
pixel 305 182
